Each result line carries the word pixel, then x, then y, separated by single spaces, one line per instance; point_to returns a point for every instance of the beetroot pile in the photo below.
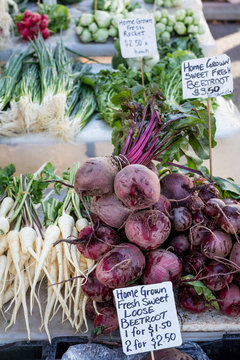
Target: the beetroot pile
pixel 32 24
pixel 146 230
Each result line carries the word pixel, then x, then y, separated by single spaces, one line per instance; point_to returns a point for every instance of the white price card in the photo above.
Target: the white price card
pixel 207 77
pixel 147 318
pixel 137 36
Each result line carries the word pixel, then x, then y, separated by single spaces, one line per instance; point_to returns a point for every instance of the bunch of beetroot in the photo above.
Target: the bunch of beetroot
pixel 148 231
pixel 145 230
pixel 33 23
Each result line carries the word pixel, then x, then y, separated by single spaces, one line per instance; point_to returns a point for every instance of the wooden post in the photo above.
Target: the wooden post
pixel 152 355
pixel 95 5
pixel 210 139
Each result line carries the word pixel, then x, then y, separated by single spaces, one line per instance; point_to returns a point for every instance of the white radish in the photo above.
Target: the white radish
pixel 66 224
pixel 51 236
pixel 51 298
pixel 6 206
pixel 27 236
pixel 3 263
pixel 81 224
pixel 9 293
pixel 4 225
pixel 3 244
pixel 14 248
pixel 60 298
pixel 24 288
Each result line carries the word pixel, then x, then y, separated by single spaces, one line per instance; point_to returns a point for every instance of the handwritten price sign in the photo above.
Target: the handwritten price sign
pixel 207 77
pixel 147 318
pixel 137 36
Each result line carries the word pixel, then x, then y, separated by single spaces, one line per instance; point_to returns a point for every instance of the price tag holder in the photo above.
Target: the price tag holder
pixel 207 77
pixel 137 36
pixel 147 318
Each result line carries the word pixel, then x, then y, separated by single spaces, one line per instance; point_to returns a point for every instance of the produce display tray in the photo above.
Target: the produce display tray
pixel 70 37
pixel 221 349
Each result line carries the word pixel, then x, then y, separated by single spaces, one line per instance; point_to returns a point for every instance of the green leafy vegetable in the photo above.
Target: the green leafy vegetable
pixel 202 289
pixel 58 15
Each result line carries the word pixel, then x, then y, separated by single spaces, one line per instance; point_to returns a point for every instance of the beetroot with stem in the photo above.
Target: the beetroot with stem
pixel 91 311
pixel 229 300
pixel 229 219
pixel 163 204
pixel 148 229
pixel 195 204
pixel 208 192
pixel 197 234
pixel 235 255
pixel 213 207
pixel 93 243
pixel 199 218
pixel 190 300
pixel 121 265
pixel 162 265
pixel 95 290
pixel 181 218
pixel 194 262
pixel 179 243
pixel 96 176
pixel 177 187
pixel 110 210
pixel 216 244
pixel 137 187
pixel 106 322
pixel 216 276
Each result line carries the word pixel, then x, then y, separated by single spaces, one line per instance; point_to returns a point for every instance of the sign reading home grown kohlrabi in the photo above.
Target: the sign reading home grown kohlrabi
pixel 147 318
pixel 137 36
pixel 207 77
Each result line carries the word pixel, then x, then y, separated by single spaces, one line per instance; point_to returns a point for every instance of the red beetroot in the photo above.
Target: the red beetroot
pixel 95 290
pixel 198 218
pixel 229 219
pixel 148 228
pixel 90 310
pixel 106 322
pixel 194 262
pixel 93 244
pixel 181 218
pixel 96 176
pixel 162 265
pixel 216 243
pixel 208 192
pixel 190 300
pixel 195 204
pixel 120 266
pixel 110 210
pixel 197 234
pixel 163 204
pixel 179 243
pixel 137 187
pixel 235 254
pixel 229 300
pixel 213 207
pixel 217 276
pixel 177 187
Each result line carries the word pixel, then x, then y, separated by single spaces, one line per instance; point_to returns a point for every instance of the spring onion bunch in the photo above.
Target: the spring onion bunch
pixel 44 93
